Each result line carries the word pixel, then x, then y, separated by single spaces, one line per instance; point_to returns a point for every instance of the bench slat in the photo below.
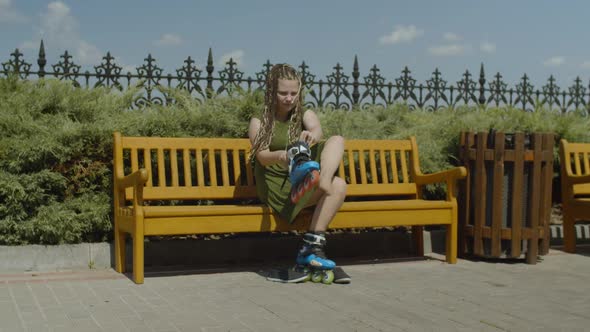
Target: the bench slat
pixel 199 165
pixel 363 166
pixel 174 167
pixel 186 160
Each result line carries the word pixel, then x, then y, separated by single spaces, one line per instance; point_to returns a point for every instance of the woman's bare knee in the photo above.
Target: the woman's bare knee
pixel 339 186
pixel 336 187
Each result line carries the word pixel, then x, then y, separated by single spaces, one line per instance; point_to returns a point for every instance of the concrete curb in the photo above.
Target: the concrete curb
pixel 229 251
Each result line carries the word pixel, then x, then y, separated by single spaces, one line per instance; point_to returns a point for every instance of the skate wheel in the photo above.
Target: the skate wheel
pixel 307 183
pixel 294 197
pixel 317 276
pixel 314 177
pixel 300 190
pixel 328 277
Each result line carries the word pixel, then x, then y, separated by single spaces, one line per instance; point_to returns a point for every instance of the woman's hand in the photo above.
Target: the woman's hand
pixel 308 137
pixel 284 158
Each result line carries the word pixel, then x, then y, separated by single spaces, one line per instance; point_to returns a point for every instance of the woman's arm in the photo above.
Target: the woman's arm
pixel 266 157
pixel 313 129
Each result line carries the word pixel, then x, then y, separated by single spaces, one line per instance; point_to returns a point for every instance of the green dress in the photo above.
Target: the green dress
pixel 272 182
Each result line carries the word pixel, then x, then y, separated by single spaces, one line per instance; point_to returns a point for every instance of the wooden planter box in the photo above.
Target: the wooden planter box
pixel 505 204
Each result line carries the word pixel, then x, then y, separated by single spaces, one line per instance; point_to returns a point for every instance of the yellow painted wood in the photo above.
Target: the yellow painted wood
pixel 341 170
pixel 134 217
pixel 161 168
pixel 134 162
pixel 393 162
pixel 351 167
pixel 174 166
pixel 212 168
pixel 578 169
pixel 224 168
pixel 373 167
pixel 363 166
pixel 147 157
pixel 236 162
pixel 264 223
pixel 200 168
pixel 187 167
pixel 575 187
pixel 382 161
pixel 249 174
pixel 404 166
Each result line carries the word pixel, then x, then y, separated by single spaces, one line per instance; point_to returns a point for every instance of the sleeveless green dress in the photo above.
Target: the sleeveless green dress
pixel 272 182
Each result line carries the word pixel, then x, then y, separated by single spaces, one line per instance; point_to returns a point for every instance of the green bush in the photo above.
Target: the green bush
pixel 56 145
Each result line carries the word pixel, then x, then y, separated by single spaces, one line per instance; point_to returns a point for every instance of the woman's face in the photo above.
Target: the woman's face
pixel 287 94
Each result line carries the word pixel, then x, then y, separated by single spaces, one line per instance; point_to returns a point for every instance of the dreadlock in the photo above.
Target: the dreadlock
pixel 266 131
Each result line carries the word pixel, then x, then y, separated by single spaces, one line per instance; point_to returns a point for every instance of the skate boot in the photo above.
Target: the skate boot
pixel 295 274
pixel 312 255
pixel 304 173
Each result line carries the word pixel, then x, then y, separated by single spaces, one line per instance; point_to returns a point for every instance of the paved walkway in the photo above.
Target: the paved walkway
pixel 419 295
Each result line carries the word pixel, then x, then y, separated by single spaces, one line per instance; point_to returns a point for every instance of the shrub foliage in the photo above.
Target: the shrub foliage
pixel 56 145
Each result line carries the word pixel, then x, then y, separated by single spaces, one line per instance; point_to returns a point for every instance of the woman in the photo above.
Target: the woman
pixel 283 122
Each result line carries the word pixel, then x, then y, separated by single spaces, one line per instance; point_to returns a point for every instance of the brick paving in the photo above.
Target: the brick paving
pixel 414 295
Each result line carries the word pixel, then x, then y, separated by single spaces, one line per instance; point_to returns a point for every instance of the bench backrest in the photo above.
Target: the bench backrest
pixel 575 160
pixel 218 168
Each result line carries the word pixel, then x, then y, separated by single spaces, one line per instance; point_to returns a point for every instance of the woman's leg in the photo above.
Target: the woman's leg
pixel 328 204
pixel 331 190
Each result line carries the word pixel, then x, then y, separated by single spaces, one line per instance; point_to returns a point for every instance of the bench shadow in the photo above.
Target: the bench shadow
pixel 262 269
pixel 260 252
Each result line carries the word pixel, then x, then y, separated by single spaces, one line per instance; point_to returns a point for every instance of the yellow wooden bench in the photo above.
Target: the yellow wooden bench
pixel 575 188
pixel 149 170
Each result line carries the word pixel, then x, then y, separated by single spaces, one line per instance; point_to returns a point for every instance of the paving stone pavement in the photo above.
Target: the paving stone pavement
pixel 414 295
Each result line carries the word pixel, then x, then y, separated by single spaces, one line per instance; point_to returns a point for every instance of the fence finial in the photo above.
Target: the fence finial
pixel 41 61
pixel 482 82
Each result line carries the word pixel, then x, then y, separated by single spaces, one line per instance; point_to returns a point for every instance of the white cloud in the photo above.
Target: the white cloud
pixel 448 50
pixel 9 14
pixel 487 47
pixel 236 55
pixel 555 61
pixel 28 45
pixel 59 30
pixel 169 39
pixel 401 34
pixel 451 37
pixel 585 64
pixel 88 53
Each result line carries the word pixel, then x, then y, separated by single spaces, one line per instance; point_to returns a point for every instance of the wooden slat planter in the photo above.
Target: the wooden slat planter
pixel 506 201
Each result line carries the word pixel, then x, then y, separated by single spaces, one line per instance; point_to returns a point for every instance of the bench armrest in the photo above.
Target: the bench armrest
pixel 137 180
pixel 134 179
pixel 449 176
pixel 577 179
pixel 442 176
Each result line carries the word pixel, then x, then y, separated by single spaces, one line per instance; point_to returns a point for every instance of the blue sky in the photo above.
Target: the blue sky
pixel 537 37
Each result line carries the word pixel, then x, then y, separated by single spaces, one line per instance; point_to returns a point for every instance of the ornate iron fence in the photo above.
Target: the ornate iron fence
pixel 337 90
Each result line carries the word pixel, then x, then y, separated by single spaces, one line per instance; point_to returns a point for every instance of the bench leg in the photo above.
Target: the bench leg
pixel 451 243
pixel 119 250
pixel 569 234
pixel 418 237
pixel 138 238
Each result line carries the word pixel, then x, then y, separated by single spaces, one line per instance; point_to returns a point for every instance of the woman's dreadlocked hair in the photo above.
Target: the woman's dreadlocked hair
pixel 266 131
